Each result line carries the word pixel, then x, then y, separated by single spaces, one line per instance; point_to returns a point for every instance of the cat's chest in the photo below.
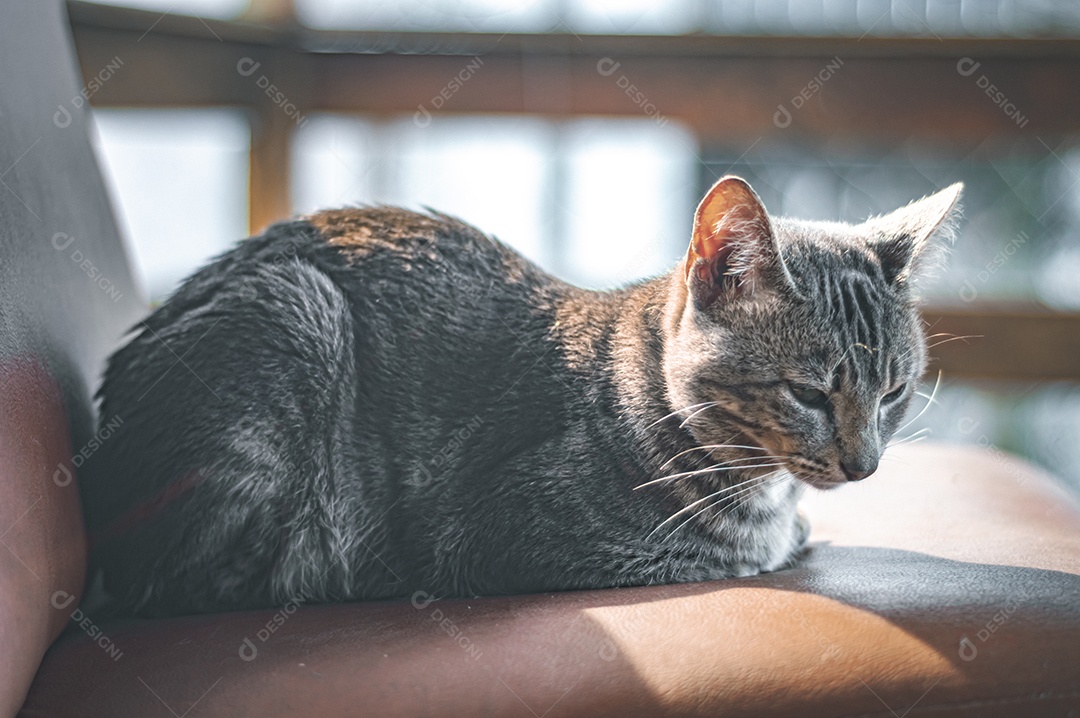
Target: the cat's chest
pixel 755 530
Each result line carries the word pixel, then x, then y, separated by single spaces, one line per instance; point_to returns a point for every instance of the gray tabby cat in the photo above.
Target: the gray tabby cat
pixel 365 403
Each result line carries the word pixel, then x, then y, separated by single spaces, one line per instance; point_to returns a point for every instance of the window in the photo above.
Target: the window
pixel 178 179
pixel 598 202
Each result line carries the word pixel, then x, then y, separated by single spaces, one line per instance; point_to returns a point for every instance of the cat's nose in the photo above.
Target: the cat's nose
pixel 858 470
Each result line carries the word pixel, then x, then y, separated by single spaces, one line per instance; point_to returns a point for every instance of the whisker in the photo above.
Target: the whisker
pixel 840 360
pixel 912 435
pixel 733 462
pixel 923 394
pixel 715 468
pixel 915 347
pixel 909 440
pixel 690 507
pixel 712 447
pixel 704 408
pixel 764 481
pixel 679 411
pixel 954 339
pixel 745 499
pixel 933 395
pixel 916 433
pixel 890 457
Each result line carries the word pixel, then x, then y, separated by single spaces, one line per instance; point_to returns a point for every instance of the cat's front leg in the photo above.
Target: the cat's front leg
pixel 802 531
pixel 791 545
pixel 800 541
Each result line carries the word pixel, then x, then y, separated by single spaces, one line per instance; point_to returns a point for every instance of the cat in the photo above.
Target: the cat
pixel 367 403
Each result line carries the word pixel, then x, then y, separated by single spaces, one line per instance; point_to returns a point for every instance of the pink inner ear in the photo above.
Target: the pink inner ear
pixel 710 268
pixel 722 215
pixel 709 284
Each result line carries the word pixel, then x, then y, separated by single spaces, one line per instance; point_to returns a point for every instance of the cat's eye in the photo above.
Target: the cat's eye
pixel 894 394
pixel 809 396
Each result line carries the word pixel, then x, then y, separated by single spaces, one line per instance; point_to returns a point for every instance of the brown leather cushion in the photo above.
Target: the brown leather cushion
pixel 65 297
pixel 42 548
pixel 949 583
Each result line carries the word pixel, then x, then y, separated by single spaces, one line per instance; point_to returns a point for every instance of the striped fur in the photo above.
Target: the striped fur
pixel 368 403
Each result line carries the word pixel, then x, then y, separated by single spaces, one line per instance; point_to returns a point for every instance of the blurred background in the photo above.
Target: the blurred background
pixel 583 132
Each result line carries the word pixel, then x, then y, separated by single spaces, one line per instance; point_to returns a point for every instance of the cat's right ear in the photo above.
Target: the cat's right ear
pixel 908 239
pixel 733 250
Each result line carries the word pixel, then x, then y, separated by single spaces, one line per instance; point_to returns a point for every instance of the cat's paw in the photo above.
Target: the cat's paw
pixel 802 531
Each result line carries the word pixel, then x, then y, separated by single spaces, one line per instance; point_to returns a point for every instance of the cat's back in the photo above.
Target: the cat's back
pixel 432 276
pixel 362 232
pixel 376 239
pixel 411 265
pixel 396 238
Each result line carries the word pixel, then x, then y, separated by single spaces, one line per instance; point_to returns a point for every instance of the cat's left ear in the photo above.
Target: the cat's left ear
pixel 908 240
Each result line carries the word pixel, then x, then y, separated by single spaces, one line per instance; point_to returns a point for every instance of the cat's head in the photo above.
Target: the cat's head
pixel 800 338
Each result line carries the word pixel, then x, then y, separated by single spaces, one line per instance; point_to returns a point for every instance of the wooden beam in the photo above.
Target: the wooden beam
pixel 726 89
pixel 1006 344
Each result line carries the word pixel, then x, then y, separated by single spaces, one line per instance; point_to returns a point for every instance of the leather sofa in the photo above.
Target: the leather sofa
pixel 948 584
